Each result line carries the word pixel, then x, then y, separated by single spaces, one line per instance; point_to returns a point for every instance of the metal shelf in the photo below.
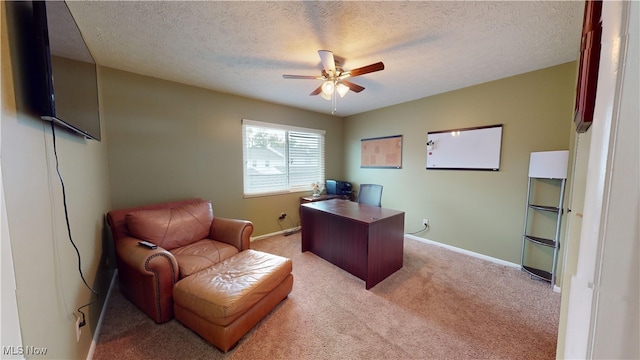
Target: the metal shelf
pixel 545 208
pixel 542 241
pixel 554 243
pixel 540 274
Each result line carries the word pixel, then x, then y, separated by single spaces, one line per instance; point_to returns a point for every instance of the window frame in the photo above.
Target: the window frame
pixel 248 193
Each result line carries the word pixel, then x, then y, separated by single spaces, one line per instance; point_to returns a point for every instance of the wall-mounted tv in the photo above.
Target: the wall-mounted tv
pixel 65 84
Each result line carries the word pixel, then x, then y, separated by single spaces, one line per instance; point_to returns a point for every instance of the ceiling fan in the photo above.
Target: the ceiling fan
pixel 335 78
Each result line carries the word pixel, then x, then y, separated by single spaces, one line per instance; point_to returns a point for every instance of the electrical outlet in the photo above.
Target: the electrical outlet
pixel 78 331
pixel 282 216
pixel 425 222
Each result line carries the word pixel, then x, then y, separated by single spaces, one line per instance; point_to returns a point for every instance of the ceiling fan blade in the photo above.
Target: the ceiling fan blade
pixel 328 62
pixel 316 91
pixel 365 69
pixel 302 77
pixel 353 87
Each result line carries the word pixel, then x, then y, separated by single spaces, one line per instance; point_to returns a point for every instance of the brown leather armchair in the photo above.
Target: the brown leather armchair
pixel 188 238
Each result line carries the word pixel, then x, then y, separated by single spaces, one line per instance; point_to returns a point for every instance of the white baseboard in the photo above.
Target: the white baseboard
pixel 96 334
pixel 556 288
pixel 466 252
pixel 427 241
pixel 284 231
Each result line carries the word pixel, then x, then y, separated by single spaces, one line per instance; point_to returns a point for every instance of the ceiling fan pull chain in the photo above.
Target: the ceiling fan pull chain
pixel 333 96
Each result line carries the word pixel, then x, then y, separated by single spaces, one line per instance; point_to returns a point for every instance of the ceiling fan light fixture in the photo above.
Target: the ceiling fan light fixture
pixel 325 96
pixel 334 78
pixel 327 88
pixel 342 89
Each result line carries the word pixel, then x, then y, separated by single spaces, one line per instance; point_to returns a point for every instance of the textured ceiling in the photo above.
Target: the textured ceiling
pixel 244 48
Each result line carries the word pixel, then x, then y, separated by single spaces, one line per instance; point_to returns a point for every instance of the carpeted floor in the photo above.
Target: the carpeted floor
pixel 440 305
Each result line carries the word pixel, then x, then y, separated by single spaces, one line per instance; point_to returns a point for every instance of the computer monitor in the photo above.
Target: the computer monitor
pixel 337 187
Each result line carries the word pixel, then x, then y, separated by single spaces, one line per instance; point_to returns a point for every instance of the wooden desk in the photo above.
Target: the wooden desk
pixel 311 198
pixel 364 240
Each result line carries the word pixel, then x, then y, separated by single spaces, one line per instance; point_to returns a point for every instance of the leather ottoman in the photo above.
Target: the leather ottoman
pixel 223 302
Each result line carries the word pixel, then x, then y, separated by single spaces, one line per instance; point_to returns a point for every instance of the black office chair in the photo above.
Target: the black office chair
pixel 370 194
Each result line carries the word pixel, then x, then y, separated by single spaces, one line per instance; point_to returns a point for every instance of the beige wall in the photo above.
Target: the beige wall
pixel 171 141
pixel 48 285
pixel 480 211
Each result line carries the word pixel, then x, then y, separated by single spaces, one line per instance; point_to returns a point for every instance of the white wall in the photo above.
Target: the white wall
pixel 10 331
pixel 48 286
pixel 603 307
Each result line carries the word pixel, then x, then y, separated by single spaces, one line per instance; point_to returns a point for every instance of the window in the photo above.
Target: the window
pixel 280 158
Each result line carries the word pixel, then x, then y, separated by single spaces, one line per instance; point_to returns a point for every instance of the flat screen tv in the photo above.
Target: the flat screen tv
pixel 66 85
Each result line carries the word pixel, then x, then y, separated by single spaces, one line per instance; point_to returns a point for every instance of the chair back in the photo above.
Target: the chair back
pixel 118 224
pixel 370 194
